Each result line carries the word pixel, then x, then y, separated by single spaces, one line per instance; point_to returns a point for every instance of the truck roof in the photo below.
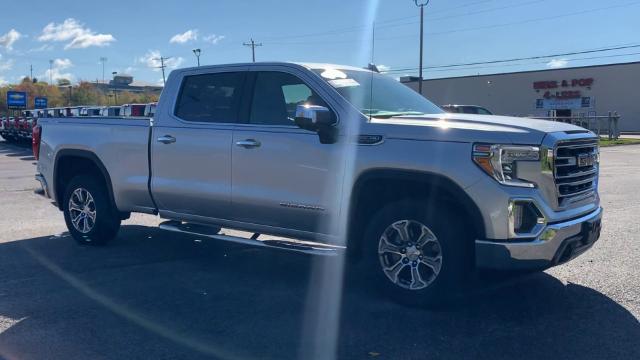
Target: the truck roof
pixel 307 65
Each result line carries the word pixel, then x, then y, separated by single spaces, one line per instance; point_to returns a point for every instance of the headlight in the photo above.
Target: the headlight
pixel 501 161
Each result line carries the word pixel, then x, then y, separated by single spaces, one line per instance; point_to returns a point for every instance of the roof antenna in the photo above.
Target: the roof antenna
pixel 372 66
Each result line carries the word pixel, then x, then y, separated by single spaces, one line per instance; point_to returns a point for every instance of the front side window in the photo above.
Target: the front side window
pixel 213 98
pixel 276 96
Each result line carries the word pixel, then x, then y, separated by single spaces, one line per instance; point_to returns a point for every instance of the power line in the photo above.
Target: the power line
pixel 360 28
pixel 533 63
pixel 253 46
pixel 438 33
pixel 520 59
pixel 536 19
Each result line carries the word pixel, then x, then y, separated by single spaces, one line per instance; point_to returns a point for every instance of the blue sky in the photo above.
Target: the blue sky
pixel 130 34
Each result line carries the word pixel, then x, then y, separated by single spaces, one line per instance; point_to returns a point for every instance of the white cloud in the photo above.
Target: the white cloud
pixel 213 38
pixel 62 64
pixel 56 72
pixel 3 81
pixel 80 37
pixel 129 70
pixel 152 60
pixel 383 68
pixel 189 35
pixel 557 63
pixel 44 47
pixel 85 41
pixel 6 64
pixel 7 40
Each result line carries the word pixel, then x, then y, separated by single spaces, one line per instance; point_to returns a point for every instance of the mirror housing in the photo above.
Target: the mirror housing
pixel 318 119
pixel 312 117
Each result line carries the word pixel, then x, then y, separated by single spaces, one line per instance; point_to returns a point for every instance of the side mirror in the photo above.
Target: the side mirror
pixel 312 117
pixel 318 119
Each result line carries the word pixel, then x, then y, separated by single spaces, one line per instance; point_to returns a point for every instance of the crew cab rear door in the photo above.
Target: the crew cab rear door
pixel 191 143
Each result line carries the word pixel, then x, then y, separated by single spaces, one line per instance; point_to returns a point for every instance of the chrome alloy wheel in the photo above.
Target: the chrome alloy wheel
pixel 82 209
pixel 410 254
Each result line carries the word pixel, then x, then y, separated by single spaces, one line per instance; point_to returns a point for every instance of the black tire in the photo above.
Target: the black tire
pixel 107 220
pixel 454 243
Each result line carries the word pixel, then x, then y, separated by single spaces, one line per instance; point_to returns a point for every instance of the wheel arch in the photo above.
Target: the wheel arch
pixel 66 166
pixel 377 187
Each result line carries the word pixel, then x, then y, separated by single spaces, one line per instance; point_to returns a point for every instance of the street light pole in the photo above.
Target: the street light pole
pixel 421 4
pixel 50 72
pixel 103 60
pixel 197 53
pixel 115 94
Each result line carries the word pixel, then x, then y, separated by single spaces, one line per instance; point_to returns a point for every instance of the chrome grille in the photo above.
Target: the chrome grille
pixel 576 170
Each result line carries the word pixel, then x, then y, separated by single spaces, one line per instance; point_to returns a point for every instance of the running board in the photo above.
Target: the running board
pixel 310 248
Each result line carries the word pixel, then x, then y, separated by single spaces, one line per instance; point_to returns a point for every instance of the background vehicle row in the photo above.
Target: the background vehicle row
pixel 20 128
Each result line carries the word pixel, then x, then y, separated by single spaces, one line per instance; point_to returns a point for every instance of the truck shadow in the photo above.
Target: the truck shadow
pixel 17 149
pixel 155 294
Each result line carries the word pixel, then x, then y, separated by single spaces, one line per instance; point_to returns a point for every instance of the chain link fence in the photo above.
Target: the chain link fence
pixel 599 124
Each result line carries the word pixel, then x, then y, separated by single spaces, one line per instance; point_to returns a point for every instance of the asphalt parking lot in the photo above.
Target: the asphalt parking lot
pixel 152 294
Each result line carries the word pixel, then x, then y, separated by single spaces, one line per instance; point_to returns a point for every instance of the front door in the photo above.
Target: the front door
pixel 283 177
pixel 191 147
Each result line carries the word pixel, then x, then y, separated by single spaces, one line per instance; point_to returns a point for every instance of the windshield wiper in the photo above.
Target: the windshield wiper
pixel 390 114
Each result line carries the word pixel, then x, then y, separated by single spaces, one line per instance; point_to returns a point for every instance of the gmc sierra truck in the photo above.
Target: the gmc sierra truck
pixel 346 159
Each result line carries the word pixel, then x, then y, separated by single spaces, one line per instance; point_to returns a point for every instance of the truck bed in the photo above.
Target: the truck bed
pixel 121 145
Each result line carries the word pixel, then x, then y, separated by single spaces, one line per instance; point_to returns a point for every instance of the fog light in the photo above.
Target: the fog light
pixel 525 219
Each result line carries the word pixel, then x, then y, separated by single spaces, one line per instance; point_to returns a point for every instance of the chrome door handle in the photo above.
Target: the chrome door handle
pixel 167 139
pixel 248 143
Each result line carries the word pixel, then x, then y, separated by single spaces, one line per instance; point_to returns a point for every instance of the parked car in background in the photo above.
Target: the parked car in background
pixel 150 110
pixel 466 109
pixel 135 110
pixel 111 111
pixel 316 152
pixel 73 111
pixel 91 111
pixel 3 132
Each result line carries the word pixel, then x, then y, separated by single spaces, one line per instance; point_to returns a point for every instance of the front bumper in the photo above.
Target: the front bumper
pixel 557 244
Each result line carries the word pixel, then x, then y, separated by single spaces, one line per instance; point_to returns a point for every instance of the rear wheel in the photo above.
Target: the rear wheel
pixel 416 256
pixel 90 216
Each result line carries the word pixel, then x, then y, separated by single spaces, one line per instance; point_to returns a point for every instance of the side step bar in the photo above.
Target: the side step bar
pixel 310 248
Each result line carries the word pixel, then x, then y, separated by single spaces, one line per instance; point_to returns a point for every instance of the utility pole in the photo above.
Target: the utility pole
pixel 421 4
pixel 103 60
pixel 253 45
pixel 162 66
pixel 31 72
pixel 50 72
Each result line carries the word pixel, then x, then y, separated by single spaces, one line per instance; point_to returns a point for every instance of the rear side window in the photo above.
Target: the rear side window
pixel 213 98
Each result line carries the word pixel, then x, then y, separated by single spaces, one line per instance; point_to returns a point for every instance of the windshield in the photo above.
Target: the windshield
pixel 377 95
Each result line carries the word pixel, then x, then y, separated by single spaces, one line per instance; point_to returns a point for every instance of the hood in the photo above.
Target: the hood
pixel 472 128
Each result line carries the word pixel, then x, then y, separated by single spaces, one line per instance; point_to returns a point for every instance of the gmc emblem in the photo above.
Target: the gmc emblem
pixel 585 160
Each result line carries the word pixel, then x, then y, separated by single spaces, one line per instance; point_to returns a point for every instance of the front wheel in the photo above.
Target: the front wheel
pixel 418 256
pixel 90 216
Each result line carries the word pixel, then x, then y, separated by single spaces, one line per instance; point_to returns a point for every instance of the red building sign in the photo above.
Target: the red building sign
pixel 566 88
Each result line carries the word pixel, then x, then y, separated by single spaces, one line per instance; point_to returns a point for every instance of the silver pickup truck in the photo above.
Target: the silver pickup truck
pixel 347 159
